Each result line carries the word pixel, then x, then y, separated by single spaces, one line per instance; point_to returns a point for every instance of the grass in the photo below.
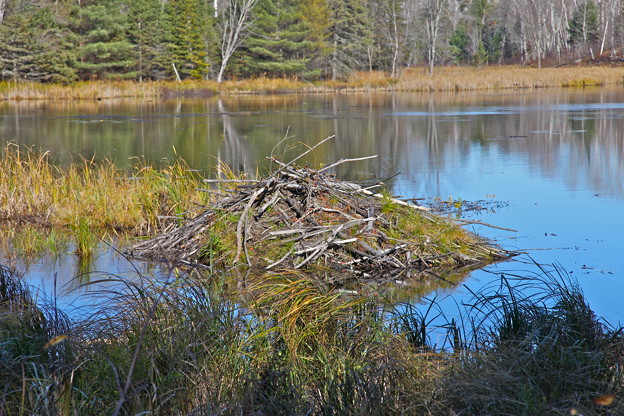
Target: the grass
pixel 289 344
pixel 508 77
pixel 413 79
pixel 91 200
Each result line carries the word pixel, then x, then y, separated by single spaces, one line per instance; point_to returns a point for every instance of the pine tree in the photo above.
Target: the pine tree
pixel 282 43
pixel 458 45
pixel 104 51
pixel 190 25
pixel 147 31
pixel 350 35
pixel 35 46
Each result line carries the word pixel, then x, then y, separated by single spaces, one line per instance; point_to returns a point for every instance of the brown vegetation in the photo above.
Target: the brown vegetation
pixel 415 79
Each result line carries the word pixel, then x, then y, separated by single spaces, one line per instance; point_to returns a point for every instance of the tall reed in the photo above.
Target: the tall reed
pixel 450 78
pixel 93 194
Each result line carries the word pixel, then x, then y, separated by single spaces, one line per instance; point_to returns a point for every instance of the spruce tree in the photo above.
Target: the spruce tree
pixel 34 45
pixel 282 43
pixel 350 36
pixel 190 25
pixel 147 31
pixel 104 51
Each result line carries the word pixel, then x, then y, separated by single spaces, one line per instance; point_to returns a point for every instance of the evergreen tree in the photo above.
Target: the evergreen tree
pixel 583 26
pixel 282 42
pixel 35 46
pixel 458 43
pixel 480 11
pixel 147 31
pixel 190 25
pixel 350 36
pixel 104 51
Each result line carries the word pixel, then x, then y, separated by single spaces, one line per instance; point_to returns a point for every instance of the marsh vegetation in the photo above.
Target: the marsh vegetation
pixel 411 80
pixel 291 344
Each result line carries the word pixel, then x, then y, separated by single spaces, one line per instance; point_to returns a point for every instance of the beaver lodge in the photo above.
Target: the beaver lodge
pixel 303 218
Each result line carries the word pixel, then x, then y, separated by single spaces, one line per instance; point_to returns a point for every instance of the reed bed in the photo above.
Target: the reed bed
pixel 78 91
pixel 414 79
pixel 508 77
pixel 191 344
pixel 89 200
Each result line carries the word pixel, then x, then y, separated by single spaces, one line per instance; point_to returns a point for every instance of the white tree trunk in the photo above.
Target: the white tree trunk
pixel 236 19
pixel 3 4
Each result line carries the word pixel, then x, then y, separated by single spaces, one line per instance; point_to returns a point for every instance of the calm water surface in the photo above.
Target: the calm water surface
pixel 549 164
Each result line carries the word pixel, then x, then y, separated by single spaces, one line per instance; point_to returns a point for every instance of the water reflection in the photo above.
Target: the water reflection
pixel 571 135
pixel 556 156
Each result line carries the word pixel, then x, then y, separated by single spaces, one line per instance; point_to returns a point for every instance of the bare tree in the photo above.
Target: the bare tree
pixel 539 27
pixel 392 31
pixel 432 14
pixel 3 4
pixel 236 19
pixel 610 10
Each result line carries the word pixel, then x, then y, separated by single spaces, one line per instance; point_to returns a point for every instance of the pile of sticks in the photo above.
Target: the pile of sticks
pixel 310 218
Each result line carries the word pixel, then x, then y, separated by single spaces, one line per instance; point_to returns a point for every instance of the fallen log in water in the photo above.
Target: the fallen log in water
pixel 301 217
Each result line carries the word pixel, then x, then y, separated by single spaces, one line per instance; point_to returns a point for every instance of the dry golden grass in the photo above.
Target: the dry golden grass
pixel 415 79
pixel 507 77
pixel 79 90
pixel 369 79
pixel 93 195
pixel 264 85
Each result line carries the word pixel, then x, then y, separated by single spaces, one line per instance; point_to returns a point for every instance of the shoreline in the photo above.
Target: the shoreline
pixel 444 79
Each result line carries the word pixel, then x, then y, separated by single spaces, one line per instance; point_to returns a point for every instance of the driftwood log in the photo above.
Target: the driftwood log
pixel 299 217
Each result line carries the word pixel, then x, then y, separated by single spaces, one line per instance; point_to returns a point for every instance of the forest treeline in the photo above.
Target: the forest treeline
pixel 70 40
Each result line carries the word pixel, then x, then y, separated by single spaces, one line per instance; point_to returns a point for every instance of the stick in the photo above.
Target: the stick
pixel 396 201
pixel 230 180
pixel 270 266
pixel 484 223
pixel 241 221
pixel 307 151
pixel 341 161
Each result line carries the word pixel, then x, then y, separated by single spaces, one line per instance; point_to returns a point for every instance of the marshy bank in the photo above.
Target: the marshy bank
pixel 411 80
pixel 288 344
pixel 89 200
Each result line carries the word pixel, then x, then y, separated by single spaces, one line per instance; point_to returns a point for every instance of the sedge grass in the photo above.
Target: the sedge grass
pixel 93 195
pixel 191 344
pixel 448 78
pixel 508 77
pixel 42 205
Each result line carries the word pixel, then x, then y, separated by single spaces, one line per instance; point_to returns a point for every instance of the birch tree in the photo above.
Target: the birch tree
pixel 3 6
pixel 236 20
pixel 392 31
pixel 432 14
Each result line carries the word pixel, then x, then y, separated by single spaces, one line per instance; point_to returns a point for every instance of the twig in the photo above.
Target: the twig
pixel 306 152
pixel 231 180
pixel 270 266
pixel 239 227
pixel 341 161
pixel 484 223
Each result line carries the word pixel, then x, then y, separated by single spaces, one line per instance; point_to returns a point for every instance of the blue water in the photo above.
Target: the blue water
pixel 551 162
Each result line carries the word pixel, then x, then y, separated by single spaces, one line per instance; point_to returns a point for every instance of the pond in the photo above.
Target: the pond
pixel 547 163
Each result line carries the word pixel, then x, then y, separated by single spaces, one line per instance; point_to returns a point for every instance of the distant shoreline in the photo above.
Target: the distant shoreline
pixel 411 80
